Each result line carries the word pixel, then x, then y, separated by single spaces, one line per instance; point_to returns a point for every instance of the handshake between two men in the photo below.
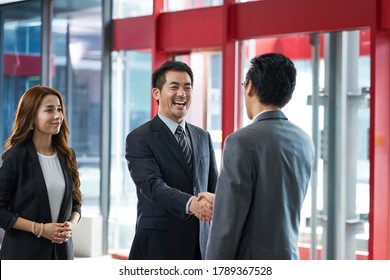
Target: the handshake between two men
pixel 202 206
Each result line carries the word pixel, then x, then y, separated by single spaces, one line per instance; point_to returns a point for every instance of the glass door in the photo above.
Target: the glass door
pixel 20 46
pixel 20 57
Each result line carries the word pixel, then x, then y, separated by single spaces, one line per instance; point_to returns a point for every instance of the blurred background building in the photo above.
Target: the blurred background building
pixel 100 55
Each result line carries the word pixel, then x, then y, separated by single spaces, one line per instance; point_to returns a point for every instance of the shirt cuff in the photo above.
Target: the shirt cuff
pixel 188 205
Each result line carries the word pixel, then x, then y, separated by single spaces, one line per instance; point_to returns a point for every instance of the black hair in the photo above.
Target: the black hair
pixel 158 76
pixel 273 77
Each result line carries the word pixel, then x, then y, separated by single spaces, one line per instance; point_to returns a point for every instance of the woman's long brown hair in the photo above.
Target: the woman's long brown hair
pixel 21 131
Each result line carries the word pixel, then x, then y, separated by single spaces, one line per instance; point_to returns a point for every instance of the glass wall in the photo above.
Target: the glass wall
pixel 206 105
pixel 300 112
pixel 136 8
pixel 75 42
pixel 179 5
pixel 131 107
pixel 76 55
pixel 20 59
pixel 76 73
pixel 131 8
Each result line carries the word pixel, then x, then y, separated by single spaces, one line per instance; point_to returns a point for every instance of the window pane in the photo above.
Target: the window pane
pixel 179 5
pixel 131 107
pixel 355 154
pixel 132 8
pixel 206 104
pixel 21 59
pixel 77 42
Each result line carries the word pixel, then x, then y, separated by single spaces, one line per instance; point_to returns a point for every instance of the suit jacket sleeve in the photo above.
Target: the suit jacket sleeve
pixel 213 172
pixel 76 205
pixel 8 183
pixel 232 202
pixel 148 179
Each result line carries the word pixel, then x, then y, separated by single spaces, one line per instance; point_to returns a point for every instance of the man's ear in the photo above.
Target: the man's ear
pixel 250 88
pixel 156 93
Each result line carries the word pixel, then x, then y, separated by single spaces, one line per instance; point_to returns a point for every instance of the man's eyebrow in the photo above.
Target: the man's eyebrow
pixel 176 83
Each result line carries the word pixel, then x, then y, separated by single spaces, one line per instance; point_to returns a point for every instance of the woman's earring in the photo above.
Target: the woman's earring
pixel 32 128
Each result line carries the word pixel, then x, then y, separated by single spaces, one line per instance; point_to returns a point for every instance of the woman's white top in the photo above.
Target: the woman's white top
pixel 55 182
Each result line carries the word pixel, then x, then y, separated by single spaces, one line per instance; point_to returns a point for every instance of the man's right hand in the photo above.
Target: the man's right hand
pixel 202 206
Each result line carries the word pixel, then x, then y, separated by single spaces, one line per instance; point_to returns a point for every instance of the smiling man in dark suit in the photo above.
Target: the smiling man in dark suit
pixel 172 164
pixel 265 172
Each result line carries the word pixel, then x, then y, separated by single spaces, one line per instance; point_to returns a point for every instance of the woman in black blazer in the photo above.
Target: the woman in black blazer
pixel 40 198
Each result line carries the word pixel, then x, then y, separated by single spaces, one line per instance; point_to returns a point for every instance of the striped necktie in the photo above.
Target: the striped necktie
pixel 184 143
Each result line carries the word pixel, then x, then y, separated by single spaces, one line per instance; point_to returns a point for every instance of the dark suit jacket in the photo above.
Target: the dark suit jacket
pixel 164 186
pixel 264 178
pixel 23 193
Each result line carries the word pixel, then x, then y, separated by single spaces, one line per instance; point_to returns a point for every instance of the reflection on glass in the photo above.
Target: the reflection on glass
pixel 131 107
pixel 132 8
pixel 76 55
pixel 179 5
pixel 21 59
pixel 299 111
pixel 206 105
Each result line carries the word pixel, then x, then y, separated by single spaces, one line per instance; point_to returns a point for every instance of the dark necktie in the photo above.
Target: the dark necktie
pixel 184 144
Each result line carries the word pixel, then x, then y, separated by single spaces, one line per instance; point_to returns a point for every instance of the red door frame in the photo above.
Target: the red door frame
pixel 379 217
pixel 223 26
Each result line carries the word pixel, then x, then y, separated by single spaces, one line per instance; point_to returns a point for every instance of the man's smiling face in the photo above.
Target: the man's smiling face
pixel 175 96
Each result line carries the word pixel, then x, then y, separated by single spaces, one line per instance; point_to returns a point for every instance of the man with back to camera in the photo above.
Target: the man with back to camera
pixel 172 164
pixel 265 172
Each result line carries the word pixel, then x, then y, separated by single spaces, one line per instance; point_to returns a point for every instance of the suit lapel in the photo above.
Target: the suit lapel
pixel 195 139
pixel 68 190
pixel 39 182
pixel 163 134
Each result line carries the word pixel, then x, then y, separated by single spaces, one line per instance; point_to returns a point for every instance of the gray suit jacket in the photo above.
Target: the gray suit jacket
pixel 263 181
pixel 164 185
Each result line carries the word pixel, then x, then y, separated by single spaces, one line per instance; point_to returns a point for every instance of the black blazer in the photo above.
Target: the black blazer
pixel 23 193
pixel 164 185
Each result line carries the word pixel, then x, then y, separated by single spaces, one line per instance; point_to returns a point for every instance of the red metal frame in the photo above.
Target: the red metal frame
pixel 282 17
pixel 158 56
pixel 128 33
pixel 183 31
pixel 229 74
pixel 221 27
pixel 22 65
pixel 380 131
pixel 19 65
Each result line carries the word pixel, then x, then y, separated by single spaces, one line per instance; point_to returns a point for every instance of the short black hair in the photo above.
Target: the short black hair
pixel 273 76
pixel 158 76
